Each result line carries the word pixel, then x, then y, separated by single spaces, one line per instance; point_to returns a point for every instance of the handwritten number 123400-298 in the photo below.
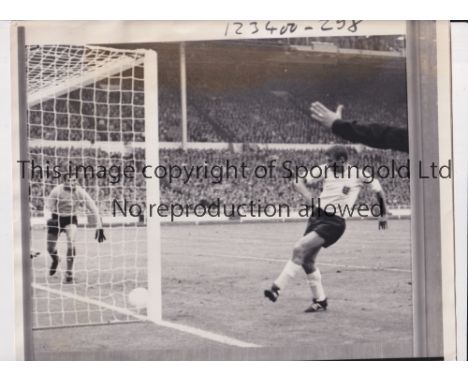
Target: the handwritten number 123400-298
pixel 275 29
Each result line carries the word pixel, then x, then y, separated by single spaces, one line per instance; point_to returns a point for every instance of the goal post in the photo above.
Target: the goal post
pixel 154 306
pixel 91 107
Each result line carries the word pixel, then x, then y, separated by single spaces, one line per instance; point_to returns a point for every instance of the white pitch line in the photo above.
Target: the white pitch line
pixel 88 300
pixel 183 328
pixel 320 263
pixel 208 335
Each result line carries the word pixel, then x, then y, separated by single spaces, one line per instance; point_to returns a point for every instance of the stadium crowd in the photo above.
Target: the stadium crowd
pixel 93 113
pixel 276 189
pixel 280 114
pixel 276 113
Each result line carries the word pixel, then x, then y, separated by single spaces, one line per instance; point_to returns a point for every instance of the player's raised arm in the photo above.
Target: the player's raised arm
pixel 91 205
pixel 300 186
pixel 376 135
pixel 325 116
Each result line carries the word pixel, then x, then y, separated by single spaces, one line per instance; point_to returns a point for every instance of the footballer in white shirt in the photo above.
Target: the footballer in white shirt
pixel 341 186
pixel 63 202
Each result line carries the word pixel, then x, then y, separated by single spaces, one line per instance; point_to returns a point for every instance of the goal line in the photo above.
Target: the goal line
pixel 167 324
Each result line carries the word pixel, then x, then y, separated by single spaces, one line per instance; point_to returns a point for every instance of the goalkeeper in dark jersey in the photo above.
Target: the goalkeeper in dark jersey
pixel 374 135
pixel 63 202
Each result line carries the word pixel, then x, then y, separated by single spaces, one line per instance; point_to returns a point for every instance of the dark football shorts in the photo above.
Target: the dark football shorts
pixel 329 228
pixel 57 223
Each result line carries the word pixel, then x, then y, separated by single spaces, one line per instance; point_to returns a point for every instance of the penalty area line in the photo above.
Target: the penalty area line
pixel 167 324
pixel 256 258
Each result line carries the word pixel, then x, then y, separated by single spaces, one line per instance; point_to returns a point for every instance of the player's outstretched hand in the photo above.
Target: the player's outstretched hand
pixel 100 237
pixel 383 223
pixel 325 116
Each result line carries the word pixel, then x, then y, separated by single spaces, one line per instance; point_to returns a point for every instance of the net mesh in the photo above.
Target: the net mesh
pixel 86 108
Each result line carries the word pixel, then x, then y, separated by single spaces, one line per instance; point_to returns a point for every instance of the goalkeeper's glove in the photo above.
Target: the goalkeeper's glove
pixel 100 237
pixel 383 222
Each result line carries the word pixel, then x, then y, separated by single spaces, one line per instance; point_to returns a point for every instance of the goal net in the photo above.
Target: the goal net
pixel 94 107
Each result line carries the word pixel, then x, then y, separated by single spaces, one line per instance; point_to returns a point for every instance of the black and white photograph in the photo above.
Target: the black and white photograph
pixel 237 197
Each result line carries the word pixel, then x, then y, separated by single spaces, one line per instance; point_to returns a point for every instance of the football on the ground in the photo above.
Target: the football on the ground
pixel 138 297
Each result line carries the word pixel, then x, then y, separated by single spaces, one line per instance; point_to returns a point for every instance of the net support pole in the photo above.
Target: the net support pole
pixel 417 208
pixel 183 95
pixel 153 240
pixel 425 193
pixel 21 220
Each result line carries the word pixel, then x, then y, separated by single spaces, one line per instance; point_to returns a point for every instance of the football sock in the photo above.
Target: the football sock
pixel 289 271
pixel 70 259
pixel 314 280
